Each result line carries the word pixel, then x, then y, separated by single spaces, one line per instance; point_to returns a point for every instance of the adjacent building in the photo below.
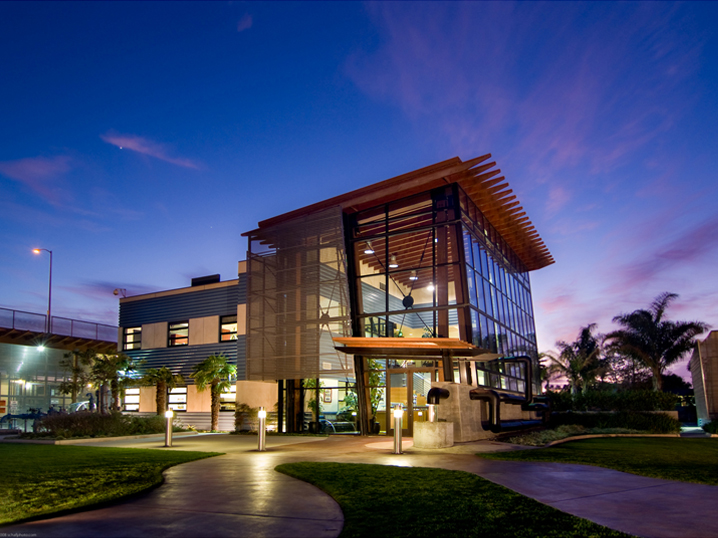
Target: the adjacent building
pixel 435 261
pixel 704 372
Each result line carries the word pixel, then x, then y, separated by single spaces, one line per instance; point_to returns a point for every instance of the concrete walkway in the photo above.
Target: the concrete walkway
pixel 239 494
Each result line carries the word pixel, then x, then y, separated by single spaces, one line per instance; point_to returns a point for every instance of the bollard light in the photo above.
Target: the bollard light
pixel 262 441
pixel 168 429
pixel 398 414
pixel 432 413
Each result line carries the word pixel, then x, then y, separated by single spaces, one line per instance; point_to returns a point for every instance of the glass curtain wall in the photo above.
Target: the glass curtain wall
pixel 432 265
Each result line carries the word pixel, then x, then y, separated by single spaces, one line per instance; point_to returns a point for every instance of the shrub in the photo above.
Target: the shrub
pixel 632 420
pixel 711 427
pixel 246 418
pixel 544 437
pixel 625 400
pixel 86 424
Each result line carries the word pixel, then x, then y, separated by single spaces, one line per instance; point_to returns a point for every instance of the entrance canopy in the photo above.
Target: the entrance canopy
pixel 438 348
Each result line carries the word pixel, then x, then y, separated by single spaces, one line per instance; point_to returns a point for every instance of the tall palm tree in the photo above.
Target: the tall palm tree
pixel 652 340
pixel 162 379
pixel 216 373
pixel 578 361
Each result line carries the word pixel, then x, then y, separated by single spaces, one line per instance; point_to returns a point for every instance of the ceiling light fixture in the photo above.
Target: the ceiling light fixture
pixel 413 276
pixel 368 249
pixel 430 287
pixel 392 263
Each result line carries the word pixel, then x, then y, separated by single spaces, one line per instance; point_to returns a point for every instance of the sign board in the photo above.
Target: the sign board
pixel 14 407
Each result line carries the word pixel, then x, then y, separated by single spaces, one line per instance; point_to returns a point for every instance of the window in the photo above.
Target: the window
pixel 228 328
pixel 179 333
pixel 177 400
pixel 132 400
pixel 132 338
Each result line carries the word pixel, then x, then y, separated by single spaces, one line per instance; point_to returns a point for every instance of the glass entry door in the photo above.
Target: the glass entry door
pixel 408 387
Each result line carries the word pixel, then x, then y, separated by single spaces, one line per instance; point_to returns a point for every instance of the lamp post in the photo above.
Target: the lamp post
pixel 262 441
pixel 48 325
pixel 398 414
pixel 168 431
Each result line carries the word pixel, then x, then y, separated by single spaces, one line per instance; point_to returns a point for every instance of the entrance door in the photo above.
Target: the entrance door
pixel 408 387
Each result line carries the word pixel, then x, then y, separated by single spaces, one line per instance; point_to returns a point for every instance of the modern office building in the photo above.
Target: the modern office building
pixel 704 373
pixel 433 264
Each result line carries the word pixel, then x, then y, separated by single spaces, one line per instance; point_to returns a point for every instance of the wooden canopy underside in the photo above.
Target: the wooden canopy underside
pixel 480 180
pixel 412 347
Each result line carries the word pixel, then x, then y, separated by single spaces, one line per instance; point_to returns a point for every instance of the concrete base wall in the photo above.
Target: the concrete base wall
pixel 433 434
pixel 467 414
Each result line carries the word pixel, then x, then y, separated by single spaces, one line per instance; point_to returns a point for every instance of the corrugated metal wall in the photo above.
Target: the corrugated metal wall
pixel 181 359
pixel 221 301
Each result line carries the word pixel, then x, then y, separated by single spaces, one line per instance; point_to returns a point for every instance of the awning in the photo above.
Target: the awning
pixel 413 347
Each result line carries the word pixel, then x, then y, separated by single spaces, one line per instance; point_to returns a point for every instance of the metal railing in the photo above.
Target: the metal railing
pixel 30 321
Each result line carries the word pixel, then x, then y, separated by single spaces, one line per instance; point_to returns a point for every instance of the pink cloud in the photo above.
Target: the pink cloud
pixel 692 245
pixel 245 23
pixel 146 147
pixel 41 174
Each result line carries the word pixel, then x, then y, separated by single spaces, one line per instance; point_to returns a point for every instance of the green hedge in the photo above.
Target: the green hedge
pixel 86 424
pixel 625 400
pixel 711 427
pixel 632 420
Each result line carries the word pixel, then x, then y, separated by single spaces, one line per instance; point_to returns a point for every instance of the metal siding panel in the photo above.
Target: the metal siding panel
pixel 194 304
pixel 182 359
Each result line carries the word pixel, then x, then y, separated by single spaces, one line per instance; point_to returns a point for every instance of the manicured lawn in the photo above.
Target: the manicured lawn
pixel 43 479
pixel 686 460
pixel 418 502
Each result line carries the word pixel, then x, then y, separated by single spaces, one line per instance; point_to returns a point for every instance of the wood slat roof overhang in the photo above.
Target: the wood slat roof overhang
pixel 411 347
pixel 477 178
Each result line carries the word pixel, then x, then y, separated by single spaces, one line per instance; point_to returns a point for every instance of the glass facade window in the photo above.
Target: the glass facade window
pixel 429 266
pixel 178 333
pixel 227 328
pixel 132 338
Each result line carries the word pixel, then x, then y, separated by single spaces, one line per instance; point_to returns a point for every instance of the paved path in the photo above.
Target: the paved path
pixel 240 494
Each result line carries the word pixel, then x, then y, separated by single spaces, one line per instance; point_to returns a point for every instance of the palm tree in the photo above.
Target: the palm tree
pixel 653 341
pixel 163 379
pixel 216 373
pixel 112 369
pixel 579 361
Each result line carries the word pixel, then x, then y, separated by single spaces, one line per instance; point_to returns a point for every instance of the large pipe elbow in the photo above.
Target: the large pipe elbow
pixel 435 394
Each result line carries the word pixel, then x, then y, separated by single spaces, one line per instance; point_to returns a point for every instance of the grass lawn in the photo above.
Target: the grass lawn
pixel 686 460
pixel 38 480
pixel 417 502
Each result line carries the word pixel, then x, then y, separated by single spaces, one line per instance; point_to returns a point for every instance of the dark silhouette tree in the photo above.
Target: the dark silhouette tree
pixel 578 361
pixel 652 340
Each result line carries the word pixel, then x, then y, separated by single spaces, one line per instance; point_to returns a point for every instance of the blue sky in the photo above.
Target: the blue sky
pixel 140 139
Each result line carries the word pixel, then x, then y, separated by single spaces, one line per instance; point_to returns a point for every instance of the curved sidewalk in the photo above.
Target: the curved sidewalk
pixel 241 495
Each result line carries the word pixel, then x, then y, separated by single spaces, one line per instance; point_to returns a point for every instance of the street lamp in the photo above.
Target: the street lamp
pixel 49 289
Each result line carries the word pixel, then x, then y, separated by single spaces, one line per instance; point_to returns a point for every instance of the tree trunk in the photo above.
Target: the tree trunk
pixel 657 380
pixel 161 397
pixel 215 406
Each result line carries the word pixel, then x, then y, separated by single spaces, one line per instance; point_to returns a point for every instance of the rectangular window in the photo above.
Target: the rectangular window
pixel 132 400
pixel 132 338
pixel 177 400
pixel 227 328
pixel 178 333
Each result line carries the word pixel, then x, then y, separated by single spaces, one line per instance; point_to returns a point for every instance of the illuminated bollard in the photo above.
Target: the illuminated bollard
pixel 168 429
pixel 262 444
pixel 398 414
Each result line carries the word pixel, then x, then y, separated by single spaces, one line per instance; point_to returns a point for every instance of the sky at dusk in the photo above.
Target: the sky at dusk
pixel 140 139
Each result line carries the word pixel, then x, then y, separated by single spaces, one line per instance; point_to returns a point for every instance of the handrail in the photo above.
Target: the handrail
pixel 31 321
